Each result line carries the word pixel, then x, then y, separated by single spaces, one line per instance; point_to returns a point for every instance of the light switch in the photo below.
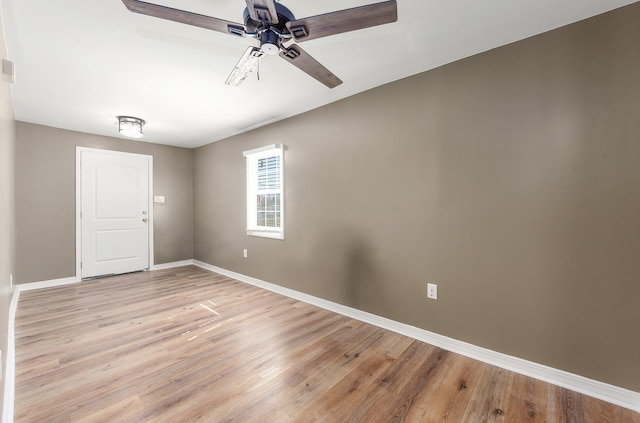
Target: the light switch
pixel 158 199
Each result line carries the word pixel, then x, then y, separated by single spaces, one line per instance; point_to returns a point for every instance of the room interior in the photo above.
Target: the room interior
pixel 507 175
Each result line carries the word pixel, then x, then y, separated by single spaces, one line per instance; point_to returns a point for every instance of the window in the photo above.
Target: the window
pixel 265 189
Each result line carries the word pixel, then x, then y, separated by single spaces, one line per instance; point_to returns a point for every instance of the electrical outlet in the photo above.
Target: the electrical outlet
pixel 432 291
pixel 245 253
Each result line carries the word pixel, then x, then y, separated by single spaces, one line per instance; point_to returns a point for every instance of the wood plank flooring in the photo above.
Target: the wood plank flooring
pixel 188 345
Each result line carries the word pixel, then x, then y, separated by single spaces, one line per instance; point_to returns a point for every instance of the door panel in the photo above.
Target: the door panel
pixel 117 196
pixel 116 245
pixel 115 214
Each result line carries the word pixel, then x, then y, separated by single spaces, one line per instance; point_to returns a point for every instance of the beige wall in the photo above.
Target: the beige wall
pixel 7 232
pixel 511 179
pixel 45 199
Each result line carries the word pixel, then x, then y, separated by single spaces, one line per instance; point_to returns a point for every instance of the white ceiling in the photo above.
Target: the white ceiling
pixel 81 63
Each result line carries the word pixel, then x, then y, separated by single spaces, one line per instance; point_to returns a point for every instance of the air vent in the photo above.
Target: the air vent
pixel 8 71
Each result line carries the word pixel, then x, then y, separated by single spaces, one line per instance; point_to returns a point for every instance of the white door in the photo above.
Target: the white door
pixel 114 216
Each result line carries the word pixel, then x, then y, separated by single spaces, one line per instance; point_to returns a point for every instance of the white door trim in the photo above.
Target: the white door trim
pixel 79 151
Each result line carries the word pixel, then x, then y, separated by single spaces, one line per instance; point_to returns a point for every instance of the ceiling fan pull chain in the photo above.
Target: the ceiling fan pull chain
pixel 258 71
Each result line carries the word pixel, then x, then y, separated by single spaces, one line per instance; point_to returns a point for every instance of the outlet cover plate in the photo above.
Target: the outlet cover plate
pixel 432 291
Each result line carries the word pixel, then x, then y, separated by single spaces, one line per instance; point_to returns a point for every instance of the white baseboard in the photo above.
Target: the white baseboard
pixel 604 391
pixel 172 265
pixel 47 284
pixel 10 370
pixel 73 279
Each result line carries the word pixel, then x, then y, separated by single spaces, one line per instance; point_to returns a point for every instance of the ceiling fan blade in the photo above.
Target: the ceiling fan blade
pixel 343 20
pixel 184 17
pixel 306 63
pixel 247 64
pixel 263 11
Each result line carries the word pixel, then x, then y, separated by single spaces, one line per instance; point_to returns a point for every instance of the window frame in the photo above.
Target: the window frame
pixel 252 191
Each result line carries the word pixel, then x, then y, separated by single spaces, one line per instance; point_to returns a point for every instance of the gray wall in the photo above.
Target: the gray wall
pixel 45 199
pixel 510 178
pixel 7 232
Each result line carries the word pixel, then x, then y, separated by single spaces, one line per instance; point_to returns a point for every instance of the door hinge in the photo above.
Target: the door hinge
pixel 80 265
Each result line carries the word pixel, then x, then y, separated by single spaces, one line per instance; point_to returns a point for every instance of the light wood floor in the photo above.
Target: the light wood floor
pixel 188 345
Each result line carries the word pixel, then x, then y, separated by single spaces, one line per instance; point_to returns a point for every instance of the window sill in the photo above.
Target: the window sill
pixel 265 234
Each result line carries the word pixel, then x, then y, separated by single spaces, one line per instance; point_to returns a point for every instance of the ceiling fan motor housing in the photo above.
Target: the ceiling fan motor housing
pixel 284 15
pixel 269 33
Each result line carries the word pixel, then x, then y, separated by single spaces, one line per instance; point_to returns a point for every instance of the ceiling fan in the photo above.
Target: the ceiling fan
pixel 278 30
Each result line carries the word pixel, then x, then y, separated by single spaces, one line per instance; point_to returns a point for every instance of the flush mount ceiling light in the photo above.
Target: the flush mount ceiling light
pixel 130 126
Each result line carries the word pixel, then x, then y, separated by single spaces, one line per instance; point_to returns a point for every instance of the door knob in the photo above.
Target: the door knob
pixel 144 219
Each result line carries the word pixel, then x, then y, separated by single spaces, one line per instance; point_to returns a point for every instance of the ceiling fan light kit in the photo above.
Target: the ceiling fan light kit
pixel 130 126
pixel 277 30
pixel 269 43
pixel 247 64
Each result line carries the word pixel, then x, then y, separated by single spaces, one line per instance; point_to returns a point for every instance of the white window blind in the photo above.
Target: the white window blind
pixel 265 177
